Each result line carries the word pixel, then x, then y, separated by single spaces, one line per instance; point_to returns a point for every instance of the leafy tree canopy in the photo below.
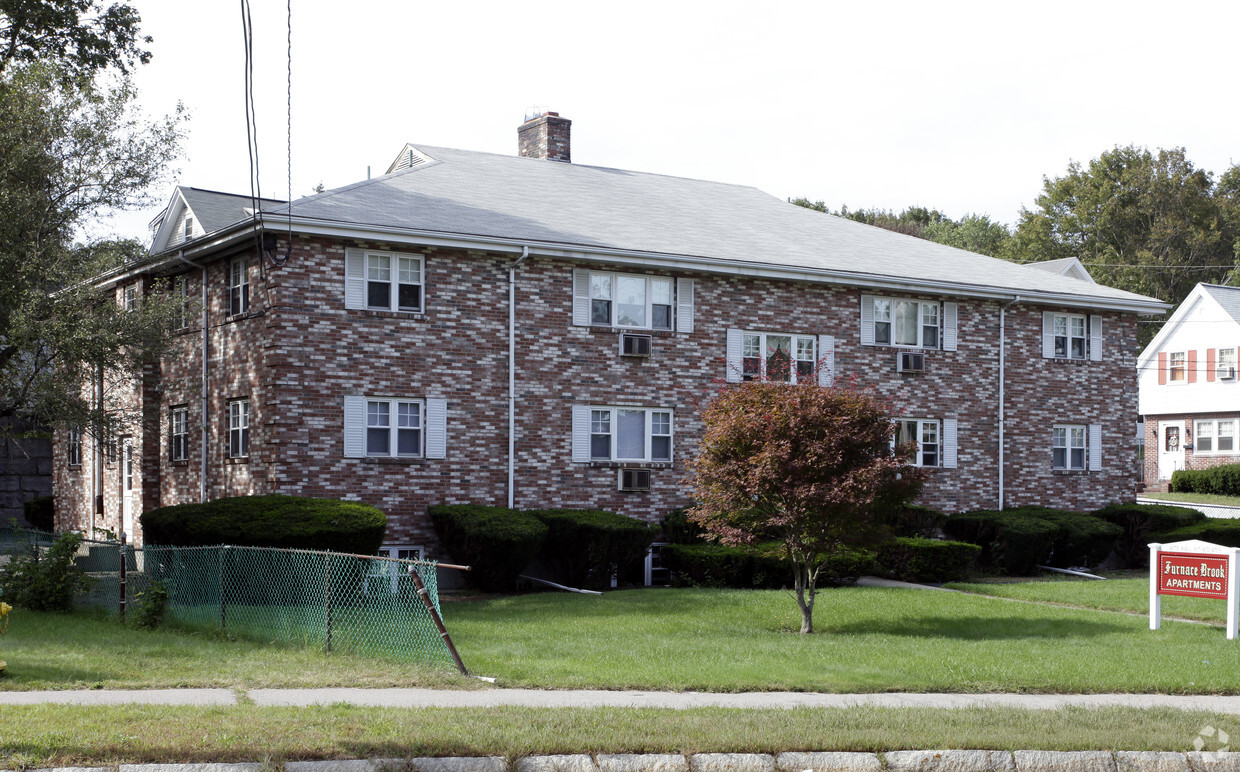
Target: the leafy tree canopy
pixel 80 37
pixel 973 232
pixel 809 466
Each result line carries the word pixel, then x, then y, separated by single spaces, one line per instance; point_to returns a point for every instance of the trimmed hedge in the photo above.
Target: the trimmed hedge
pixel 1140 522
pixel 1216 530
pixel 679 529
pixel 496 542
pixel 1219 480
pixel 912 520
pixel 585 548
pixel 40 513
pixel 914 559
pixel 762 567
pixel 1013 541
pixel 1082 539
pixel 290 522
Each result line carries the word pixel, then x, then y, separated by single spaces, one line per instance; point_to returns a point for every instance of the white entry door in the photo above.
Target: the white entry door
pixel 127 491
pixel 1170 448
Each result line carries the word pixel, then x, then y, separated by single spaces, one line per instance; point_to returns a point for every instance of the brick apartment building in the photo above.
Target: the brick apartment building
pixel 477 328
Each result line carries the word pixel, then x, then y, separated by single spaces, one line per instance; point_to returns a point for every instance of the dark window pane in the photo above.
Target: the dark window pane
pixel 661 448
pixel 1061 346
pixel 751 367
pixel 804 370
pixel 411 296
pixel 930 337
pixel 600 446
pixel 409 442
pixel 662 317
pixel 1078 458
pixel 929 455
pixel 600 312
pixel 245 442
pixel 234 301
pixel 1060 458
pixel 378 294
pixel 1224 443
pixel 1204 444
pixel 1078 348
pixel 882 332
pixel 376 442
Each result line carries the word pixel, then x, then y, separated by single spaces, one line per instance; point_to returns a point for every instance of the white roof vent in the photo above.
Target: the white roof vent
pixel 409 157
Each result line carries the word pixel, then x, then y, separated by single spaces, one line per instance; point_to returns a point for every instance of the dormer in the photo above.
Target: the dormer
pixel 192 213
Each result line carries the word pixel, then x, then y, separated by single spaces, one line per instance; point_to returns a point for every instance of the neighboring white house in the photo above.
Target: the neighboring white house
pixel 1189 393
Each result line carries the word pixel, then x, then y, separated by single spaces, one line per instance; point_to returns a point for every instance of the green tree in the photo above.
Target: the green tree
pixel 1147 222
pixel 973 232
pixel 809 466
pixel 79 37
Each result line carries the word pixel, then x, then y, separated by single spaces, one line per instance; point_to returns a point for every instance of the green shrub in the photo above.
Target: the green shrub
pixel 1081 539
pixel 290 522
pixel 496 542
pixel 1184 481
pixel 1014 541
pixel 586 548
pixel 1140 522
pixel 47 581
pixel 1216 530
pixel 913 520
pixel 760 567
pixel 914 559
pixel 150 606
pixel 1219 480
pixel 40 513
pixel 679 529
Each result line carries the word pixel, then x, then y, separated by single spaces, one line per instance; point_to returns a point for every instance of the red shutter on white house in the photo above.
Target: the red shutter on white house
pixel 1192 365
pixel 1210 364
pixel 1162 368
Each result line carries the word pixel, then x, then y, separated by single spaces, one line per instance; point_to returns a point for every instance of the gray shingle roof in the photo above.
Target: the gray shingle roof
pixel 1227 297
pixel 216 210
pixel 572 205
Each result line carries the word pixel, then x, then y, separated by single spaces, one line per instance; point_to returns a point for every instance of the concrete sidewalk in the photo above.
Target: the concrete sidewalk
pixel 486 698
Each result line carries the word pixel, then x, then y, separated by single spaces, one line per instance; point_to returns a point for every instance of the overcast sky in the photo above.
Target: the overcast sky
pixel 955 105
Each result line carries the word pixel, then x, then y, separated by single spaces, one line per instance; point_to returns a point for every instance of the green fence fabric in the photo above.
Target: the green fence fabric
pixel 346 603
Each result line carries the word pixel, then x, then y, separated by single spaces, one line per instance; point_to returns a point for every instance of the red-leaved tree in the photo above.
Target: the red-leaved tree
pixel 807 465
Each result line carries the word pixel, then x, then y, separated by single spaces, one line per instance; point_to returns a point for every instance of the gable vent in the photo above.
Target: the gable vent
pixel 409 159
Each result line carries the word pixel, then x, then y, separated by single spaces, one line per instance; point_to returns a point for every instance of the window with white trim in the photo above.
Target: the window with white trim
pixel 131 298
pixel 1215 435
pixel 1068 447
pixel 1226 361
pixel 902 322
pixel 178 449
pixel 189 227
pixel 1177 366
pixel 394 428
pixel 75 446
pixel 239 428
pixel 624 300
pixel 777 357
pixel 925 434
pixel 238 286
pixel 393 281
pixel 180 292
pixel 630 434
pixel 1071 332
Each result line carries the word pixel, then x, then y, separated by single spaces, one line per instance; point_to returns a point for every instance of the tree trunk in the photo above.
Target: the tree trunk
pixel 805 581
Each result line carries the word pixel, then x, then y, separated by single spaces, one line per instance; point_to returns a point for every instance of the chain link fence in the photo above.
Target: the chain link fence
pixel 349 603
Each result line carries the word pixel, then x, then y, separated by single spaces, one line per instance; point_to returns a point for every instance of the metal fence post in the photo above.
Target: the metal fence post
pixel 123 575
pixel 223 603
pixel 430 607
pixel 327 564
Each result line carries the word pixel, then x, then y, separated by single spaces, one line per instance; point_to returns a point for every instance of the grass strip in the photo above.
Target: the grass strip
pixel 61 735
pixel 1127 595
pixel 1195 498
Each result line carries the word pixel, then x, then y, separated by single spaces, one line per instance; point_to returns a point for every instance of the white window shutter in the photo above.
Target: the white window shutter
pixel 581 297
pixel 1095 338
pixel 735 363
pixel 684 305
pixel 867 320
pixel 826 360
pixel 1095 447
pixel 1048 335
pixel 949 443
pixel 950 311
pixel 436 428
pixel 581 433
pixel 354 279
pixel 354 427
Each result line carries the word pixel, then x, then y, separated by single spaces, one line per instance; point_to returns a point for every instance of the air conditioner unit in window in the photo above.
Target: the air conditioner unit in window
pixel 634 345
pixel 1227 373
pixel 634 479
pixel 910 362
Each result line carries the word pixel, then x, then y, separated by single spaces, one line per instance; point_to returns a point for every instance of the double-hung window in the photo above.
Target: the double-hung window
pixel 394 428
pixel 924 433
pixel 1068 447
pixel 623 300
pixel 393 282
pixel 630 434
pixel 1215 436
pixel 1177 366
pixel 1070 335
pixel 777 357
pixel 239 428
pixel 179 448
pixel 75 446
pixel 238 286
pixel 131 298
pixel 899 322
pixel 1226 367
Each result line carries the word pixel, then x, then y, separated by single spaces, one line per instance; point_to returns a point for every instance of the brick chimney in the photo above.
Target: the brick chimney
pixel 545 135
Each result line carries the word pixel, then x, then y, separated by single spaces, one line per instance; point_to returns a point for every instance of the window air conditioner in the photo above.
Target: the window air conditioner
pixel 634 479
pixel 1227 373
pixel 634 345
pixel 910 362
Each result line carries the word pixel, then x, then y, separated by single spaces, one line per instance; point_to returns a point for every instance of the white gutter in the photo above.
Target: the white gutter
pixel 1002 360
pixel 512 373
pixel 206 400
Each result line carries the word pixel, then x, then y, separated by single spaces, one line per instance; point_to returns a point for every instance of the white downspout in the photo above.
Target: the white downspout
pixel 1002 359
pixel 512 373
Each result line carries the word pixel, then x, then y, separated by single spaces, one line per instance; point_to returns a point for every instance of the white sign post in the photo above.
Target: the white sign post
pixel 1196 569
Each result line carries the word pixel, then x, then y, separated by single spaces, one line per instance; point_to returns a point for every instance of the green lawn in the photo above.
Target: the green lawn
pixel 867 640
pixel 1115 594
pixel 1195 498
pixel 60 735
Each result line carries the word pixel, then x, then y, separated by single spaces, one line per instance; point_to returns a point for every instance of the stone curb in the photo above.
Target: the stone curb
pixel 891 761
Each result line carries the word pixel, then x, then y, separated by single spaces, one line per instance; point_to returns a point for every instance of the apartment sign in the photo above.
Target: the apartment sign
pixel 1195 569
